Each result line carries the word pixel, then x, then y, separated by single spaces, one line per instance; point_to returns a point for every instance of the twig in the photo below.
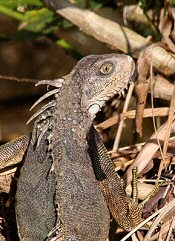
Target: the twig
pixel 120 127
pixel 148 151
pixel 13 78
pixel 168 131
pixel 152 105
pixel 163 212
pixel 163 111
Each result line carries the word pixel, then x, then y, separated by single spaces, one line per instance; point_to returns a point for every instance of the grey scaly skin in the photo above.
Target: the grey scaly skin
pixel 57 184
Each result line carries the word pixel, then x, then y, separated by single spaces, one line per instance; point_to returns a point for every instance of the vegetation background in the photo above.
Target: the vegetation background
pixel 44 40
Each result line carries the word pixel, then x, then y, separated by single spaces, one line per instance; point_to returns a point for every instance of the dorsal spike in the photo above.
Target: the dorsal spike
pixel 45 128
pixel 56 82
pixel 52 92
pixel 45 107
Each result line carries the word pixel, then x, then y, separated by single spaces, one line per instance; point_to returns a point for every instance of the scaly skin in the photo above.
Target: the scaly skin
pixel 13 152
pixel 58 172
pixel 126 212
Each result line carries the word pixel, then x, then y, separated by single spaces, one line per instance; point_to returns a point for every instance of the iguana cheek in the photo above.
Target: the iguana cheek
pixel 89 91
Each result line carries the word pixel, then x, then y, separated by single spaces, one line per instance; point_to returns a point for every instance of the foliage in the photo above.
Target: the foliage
pixel 153 28
pixel 35 20
pixel 32 15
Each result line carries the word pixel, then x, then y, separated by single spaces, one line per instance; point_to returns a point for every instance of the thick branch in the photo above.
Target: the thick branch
pixel 163 89
pixel 112 33
pixel 104 30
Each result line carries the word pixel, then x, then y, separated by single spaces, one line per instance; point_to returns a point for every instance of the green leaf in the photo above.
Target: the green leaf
pixel 69 48
pixel 17 3
pixel 11 13
pixel 30 2
pixel 66 24
pixel 96 5
pixel 37 20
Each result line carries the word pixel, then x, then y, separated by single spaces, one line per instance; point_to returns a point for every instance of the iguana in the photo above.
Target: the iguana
pixel 59 184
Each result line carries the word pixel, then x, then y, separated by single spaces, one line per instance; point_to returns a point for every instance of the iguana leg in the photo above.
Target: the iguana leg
pixel 154 191
pixel 13 152
pixel 126 213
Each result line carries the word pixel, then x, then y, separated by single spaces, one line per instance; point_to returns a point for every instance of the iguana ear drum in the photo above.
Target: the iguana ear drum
pixel 94 109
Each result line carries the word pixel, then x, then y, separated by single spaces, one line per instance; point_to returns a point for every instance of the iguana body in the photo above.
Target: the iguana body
pixel 57 184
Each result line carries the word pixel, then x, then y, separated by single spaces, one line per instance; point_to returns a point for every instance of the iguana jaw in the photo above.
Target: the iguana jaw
pixel 100 101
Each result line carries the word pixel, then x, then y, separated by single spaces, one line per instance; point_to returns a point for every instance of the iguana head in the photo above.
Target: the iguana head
pixel 99 77
pixel 102 77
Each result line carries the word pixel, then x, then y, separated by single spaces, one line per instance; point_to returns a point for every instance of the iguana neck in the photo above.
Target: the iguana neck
pixel 77 191
pixel 69 111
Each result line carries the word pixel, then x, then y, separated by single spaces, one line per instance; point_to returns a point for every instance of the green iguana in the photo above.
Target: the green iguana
pixel 68 182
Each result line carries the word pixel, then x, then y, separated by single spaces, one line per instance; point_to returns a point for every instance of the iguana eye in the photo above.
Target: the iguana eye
pixel 106 68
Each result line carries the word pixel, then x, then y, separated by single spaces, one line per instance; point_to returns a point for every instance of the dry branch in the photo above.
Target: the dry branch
pixel 163 89
pixel 111 33
pixel 163 111
pixel 103 29
pixel 136 16
pixel 163 61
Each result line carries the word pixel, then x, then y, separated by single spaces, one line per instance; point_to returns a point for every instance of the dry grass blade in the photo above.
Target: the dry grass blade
pixel 171 229
pixel 163 111
pixel 119 131
pixel 147 152
pixel 168 132
pixel 164 211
